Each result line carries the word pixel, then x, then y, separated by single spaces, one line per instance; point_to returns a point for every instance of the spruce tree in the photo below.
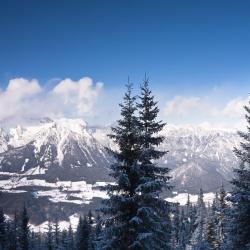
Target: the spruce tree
pixel 56 234
pixel 14 229
pixel 153 227
pixel 2 230
pixel 79 234
pixel 24 230
pixel 98 227
pixel 176 226
pixel 198 240
pixel 121 207
pixel 64 240
pixel 211 232
pixel 83 234
pixel 70 239
pixel 137 216
pixel 189 220
pixel 91 232
pixel 222 216
pixel 49 237
pixel 183 236
pixel 240 195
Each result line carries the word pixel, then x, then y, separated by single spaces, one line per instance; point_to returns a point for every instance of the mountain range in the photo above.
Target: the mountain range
pixel 59 165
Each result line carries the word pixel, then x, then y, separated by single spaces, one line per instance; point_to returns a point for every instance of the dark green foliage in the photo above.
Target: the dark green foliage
pixel 24 230
pixel 211 232
pixel 137 217
pixel 83 234
pixel 56 234
pixel 49 237
pixel 154 227
pixel 119 232
pixel 2 230
pixel 240 196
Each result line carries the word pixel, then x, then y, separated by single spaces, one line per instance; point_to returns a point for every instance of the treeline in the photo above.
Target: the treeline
pixel 16 234
pixel 136 216
pixel 193 226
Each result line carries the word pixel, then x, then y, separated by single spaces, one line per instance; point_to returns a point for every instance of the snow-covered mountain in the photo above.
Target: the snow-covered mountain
pixel 199 157
pixel 60 149
pixel 57 165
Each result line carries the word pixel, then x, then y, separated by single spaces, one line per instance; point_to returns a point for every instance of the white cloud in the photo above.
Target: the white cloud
pixel 17 95
pixel 28 98
pixel 234 108
pixel 80 94
pixel 182 106
pixel 206 111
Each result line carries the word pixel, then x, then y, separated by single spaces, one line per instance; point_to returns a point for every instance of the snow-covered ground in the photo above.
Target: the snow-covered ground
pixel 63 225
pixel 182 198
pixel 60 191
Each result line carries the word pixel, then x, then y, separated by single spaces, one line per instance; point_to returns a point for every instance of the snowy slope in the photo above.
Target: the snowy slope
pixel 58 164
pixel 199 156
pixel 63 148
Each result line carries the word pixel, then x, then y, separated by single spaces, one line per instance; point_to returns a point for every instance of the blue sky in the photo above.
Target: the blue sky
pixel 192 49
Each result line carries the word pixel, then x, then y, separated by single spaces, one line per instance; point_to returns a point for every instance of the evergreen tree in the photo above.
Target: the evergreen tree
pixel 83 234
pixel 2 230
pixel 14 242
pixel 24 230
pixel 33 240
pixel 98 231
pixel 49 237
pixel 12 233
pixel 183 236
pixel 189 221
pixel 64 244
pixel 211 232
pixel 137 217
pixel 79 234
pixel 240 196
pixel 56 234
pixel 39 245
pixel 222 216
pixel 176 227
pixel 198 240
pixel 122 205
pixel 90 218
pixel 152 217
pixel 70 239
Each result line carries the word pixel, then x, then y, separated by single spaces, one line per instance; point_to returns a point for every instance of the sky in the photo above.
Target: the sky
pixel 73 58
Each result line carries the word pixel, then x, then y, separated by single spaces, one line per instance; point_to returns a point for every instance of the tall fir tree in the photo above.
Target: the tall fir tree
pixel 24 230
pixel 97 231
pixel 189 220
pixel 222 219
pixel 240 195
pixel 152 217
pixel 49 237
pixel 12 235
pixel 176 226
pixel 70 239
pixel 83 234
pixel 91 232
pixel 121 207
pixel 198 240
pixel 2 230
pixel 138 216
pixel 64 240
pixel 211 230
pixel 79 234
pixel 56 233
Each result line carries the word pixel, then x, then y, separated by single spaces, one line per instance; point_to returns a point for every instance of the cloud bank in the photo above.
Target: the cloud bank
pixel 24 100
pixel 199 110
pixel 27 98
